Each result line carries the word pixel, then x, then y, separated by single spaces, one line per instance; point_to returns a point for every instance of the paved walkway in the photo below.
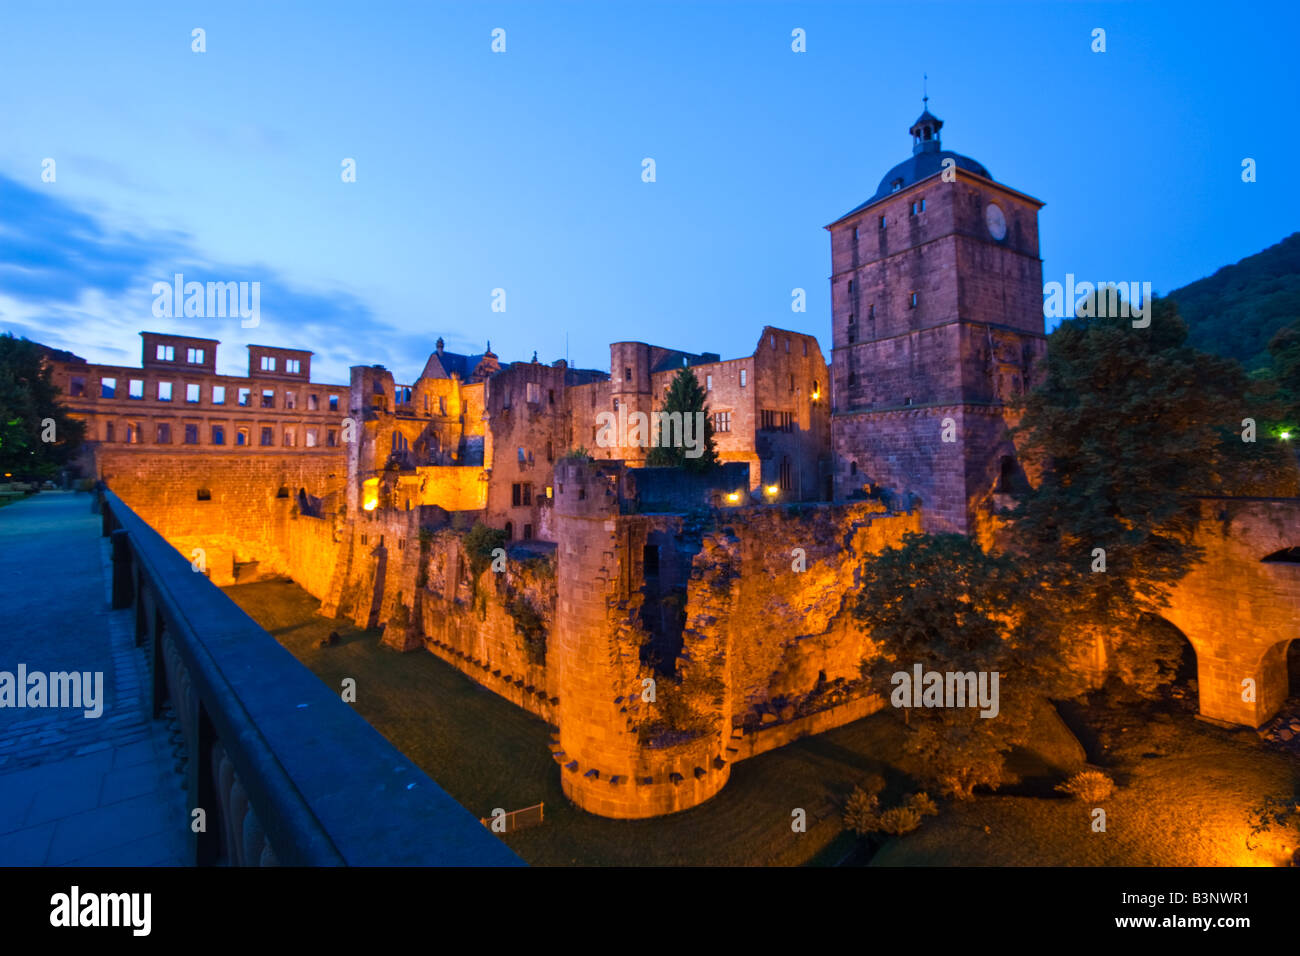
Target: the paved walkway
pixel 76 790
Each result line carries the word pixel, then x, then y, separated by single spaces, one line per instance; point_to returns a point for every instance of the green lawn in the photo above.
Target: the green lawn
pixel 1183 805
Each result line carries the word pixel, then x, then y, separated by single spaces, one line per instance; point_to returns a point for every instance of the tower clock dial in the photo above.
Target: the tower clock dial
pixel 996 221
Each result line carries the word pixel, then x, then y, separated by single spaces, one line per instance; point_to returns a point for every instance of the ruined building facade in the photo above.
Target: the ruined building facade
pixel 667 625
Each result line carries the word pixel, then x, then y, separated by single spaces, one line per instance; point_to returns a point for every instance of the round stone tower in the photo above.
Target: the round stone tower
pixel 605 768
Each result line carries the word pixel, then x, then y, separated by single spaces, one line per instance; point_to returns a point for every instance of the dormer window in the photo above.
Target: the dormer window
pixel 896 185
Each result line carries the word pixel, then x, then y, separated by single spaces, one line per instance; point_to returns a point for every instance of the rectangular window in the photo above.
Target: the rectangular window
pixel 268 436
pixel 163 436
pixel 166 353
pixel 218 394
pixel 528 532
pixel 528 494
pixel 293 366
pixel 534 393
pixel 77 386
pixel 290 400
pixel 722 421
pixel 107 387
pixel 132 434
pixel 791 383
pixel 627 373
pixel 913 300
pixel 192 394
pixel 708 383
pixel 742 377
pixel 109 431
pixel 164 391
pixel 313 403
pixel 311 437
pixel 290 438
pixel 218 434
pixel 871 311
pixel 515 495
pixel 268 398
pixel 332 438
pixel 194 356
pixel 191 434
pixel 268 363
pixel 882 222
pixel 442 405
pixel 855 233
pixel 334 403
pixel 245 396
pixel 241 436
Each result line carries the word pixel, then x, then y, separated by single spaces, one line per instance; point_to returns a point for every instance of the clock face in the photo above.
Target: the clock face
pixel 996 222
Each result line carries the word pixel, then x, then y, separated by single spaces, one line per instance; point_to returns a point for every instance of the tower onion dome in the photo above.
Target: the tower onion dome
pixel 927 158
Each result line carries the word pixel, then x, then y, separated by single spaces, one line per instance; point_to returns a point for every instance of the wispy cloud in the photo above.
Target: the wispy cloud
pixel 71 282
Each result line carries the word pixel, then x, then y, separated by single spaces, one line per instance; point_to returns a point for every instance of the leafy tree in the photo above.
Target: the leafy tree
pixel 1126 429
pixel 687 397
pixel 943 602
pixel 29 404
pixel 1284 348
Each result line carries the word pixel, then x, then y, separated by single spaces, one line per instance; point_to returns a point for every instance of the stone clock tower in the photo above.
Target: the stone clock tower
pixel 937 303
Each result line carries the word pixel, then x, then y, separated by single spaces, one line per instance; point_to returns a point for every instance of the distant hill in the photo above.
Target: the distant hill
pixel 1238 309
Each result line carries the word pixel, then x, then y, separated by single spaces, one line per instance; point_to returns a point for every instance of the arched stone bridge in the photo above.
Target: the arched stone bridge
pixel 1240 607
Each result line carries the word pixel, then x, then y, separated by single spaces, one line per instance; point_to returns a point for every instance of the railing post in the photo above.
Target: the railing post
pixel 123 595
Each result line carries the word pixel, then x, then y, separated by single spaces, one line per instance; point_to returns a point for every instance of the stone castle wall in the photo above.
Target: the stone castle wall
pixel 244 519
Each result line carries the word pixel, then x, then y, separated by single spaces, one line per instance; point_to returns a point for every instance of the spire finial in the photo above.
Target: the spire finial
pixel 925 90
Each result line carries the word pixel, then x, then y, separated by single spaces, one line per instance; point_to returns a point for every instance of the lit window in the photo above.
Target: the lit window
pixel 311 437
pixel 241 436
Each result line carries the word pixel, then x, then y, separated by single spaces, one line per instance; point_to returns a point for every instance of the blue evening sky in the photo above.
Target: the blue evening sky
pixel 522 170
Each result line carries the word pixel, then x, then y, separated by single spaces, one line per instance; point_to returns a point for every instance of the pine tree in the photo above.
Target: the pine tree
pixel 687 397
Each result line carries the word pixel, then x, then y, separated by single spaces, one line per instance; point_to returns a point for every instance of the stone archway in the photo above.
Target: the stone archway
pixel 1240 607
